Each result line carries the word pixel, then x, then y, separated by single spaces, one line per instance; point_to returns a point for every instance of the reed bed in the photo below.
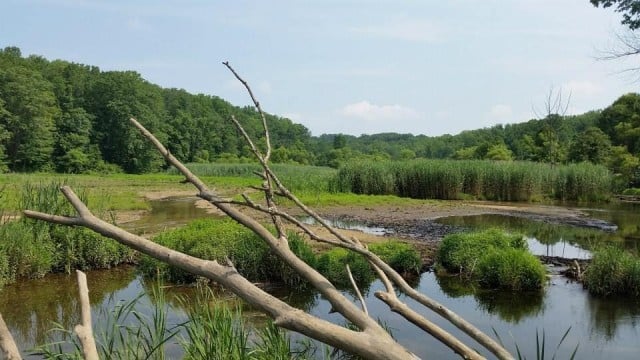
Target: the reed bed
pixel 31 249
pixel 298 178
pixel 479 179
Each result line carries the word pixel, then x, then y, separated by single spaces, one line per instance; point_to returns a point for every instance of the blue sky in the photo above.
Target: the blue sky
pixel 354 67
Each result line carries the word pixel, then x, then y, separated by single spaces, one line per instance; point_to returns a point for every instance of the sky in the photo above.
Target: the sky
pixel 353 67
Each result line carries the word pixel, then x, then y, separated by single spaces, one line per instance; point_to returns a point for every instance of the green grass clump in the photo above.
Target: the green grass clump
pixel 631 191
pixel 481 179
pixel 332 264
pixel 460 253
pixel 613 271
pixel 494 258
pixel 510 268
pixel 222 239
pixel 400 256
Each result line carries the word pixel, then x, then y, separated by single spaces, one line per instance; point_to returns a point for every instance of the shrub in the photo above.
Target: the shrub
pixel 613 271
pixel 400 256
pixel 494 258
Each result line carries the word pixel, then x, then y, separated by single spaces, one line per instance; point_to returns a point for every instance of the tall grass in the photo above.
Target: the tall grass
pixel 32 249
pixel 482 179
pixel 211 330
pixel 613 271
pixel 298 178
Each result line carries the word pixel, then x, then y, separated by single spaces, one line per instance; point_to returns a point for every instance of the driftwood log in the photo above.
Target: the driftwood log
pixel 370 340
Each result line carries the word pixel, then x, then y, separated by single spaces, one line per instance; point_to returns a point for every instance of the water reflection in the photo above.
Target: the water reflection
pixel 543 238
pixel 168 213
pixel 510 306
pixel 610 326
pixel 613 316
pixel 30 307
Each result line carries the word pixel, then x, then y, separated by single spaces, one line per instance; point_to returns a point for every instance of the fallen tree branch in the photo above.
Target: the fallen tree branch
pixel 7 344
pixel 84 329
pixel 357 290
pixel 372 342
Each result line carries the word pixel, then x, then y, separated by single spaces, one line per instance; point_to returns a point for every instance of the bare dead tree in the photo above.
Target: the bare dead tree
pixel 626 48
pixel 370 340
pixel 554 104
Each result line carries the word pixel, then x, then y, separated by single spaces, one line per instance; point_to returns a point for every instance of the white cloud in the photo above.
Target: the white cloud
pixel 371 112
pixel 581 88
pixel 403 29
pixel 500 112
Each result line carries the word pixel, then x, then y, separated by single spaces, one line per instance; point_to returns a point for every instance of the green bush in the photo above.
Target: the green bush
pixel 510 268
pixel 613 271
pixel 492 257
pixel 400 256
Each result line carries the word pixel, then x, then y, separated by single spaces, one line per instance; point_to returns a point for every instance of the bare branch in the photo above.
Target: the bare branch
pixel 7 344
pixel 257 105
pixel 357 290
pixel 420 321
pixel 84 329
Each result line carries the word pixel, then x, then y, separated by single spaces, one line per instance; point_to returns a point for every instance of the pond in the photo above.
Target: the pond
pixel 602 328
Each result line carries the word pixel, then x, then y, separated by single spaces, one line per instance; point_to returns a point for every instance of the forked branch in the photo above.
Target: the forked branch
pixel 372 342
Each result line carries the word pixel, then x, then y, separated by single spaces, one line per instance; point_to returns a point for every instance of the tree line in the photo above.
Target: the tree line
pixel 73 118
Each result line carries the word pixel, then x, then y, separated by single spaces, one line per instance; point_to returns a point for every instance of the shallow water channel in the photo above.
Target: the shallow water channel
pixel 602 328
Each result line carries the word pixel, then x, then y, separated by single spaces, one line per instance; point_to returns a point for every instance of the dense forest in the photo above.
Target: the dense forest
pixel 73 118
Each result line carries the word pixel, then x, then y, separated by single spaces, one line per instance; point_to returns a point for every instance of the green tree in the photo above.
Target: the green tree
pixel 621 122
pixel 592 145
pixel 623 164
pixel 30 109
pixel 114 98
pixel 499 152
pixel 73 152
pixel 630 10
pixel 339 141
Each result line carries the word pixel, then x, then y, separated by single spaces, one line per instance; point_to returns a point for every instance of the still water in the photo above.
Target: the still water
pixel 601 328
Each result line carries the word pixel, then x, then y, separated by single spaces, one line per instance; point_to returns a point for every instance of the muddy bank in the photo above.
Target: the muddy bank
pixel 418 222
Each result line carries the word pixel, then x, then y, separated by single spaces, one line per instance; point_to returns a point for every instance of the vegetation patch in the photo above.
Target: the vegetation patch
pixel 222 239
pixel 400 256
pixel 613 271
pixel 32 249
pixel 494 258
pixel 482 179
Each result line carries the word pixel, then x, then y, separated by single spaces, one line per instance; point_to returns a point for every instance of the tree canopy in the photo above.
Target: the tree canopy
pixel 630 10
pixel 73 118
